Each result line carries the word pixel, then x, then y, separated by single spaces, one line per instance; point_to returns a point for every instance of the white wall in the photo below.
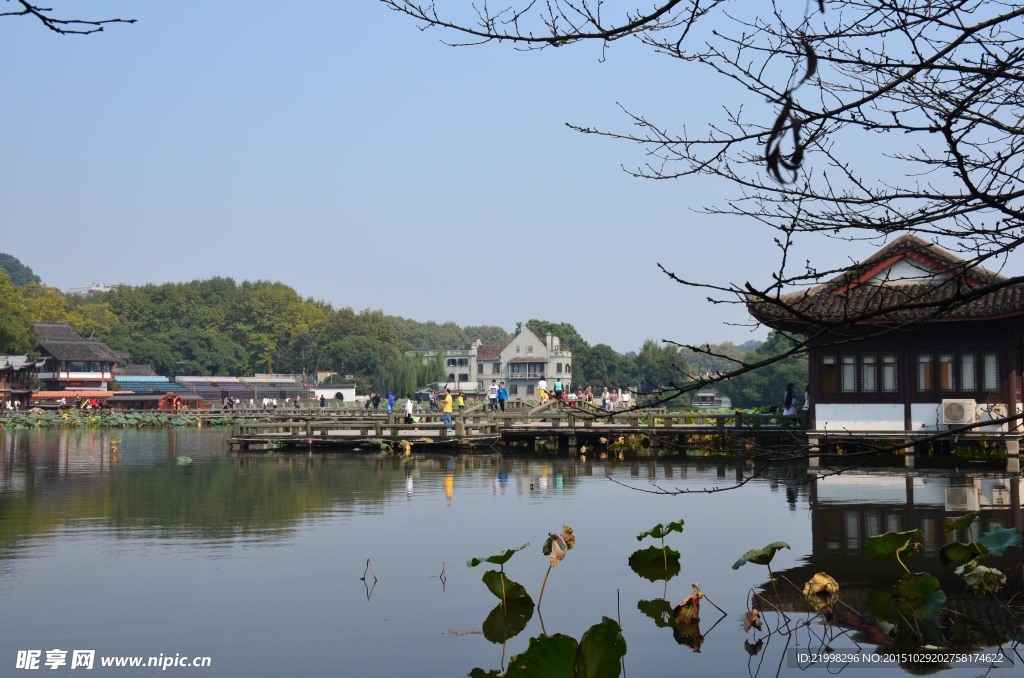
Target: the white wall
pixel 859 417
pixel 889 417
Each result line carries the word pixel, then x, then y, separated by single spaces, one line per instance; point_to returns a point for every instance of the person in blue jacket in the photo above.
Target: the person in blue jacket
pixel 502 395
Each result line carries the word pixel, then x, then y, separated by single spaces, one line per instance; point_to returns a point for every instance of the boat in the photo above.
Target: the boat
pixel 711 400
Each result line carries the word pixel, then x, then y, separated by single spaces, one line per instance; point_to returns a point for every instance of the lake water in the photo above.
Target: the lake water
pixel 258 561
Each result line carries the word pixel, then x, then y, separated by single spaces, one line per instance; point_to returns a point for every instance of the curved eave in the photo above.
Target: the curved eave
pixel 790 324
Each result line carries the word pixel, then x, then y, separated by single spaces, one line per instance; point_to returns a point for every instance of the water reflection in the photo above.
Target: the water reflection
pixel 273 547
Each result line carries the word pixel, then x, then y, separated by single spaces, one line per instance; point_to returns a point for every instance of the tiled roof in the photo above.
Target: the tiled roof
pixel 80 349
pixel 15 362
pixel 489 351
pixel 945 288
pixel 55 331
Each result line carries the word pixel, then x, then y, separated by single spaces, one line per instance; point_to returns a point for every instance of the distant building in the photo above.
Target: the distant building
pixel 342 393
pixel 70 362
pixel 521 364
pixel 16 375
pixel 529 358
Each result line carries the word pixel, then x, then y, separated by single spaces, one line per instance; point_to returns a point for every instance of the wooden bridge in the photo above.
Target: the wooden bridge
pixel 569 428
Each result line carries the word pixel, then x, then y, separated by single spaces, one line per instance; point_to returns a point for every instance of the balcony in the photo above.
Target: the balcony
pixel 525 375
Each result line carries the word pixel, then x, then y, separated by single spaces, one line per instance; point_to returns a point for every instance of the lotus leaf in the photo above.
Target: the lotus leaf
pixel 507 621
pixel 546 656
pixel 963 521
pixel 659 610
pixel 497 559
pixel 960 553
pixel 687 612
pixel 655 564
pixel 601 650
pixel 892 544
pixel 821 591
pixel 505 589
pixel 985 579
pixel 761 556
pixel 1000 539
pixel 880 604
pixel 660 531
pixel 922 593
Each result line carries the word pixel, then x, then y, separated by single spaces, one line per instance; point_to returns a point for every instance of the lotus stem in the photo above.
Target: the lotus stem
pixel 541 596
pixel 775 587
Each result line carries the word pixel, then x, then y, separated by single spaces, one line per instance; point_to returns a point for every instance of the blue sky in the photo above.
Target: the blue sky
pixel 338 149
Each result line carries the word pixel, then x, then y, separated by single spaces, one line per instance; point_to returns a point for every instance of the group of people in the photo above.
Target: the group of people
pixel 12 405
pixel 497 395
pixel 611 400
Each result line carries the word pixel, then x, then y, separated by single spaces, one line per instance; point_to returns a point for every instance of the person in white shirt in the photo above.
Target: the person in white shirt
pixel 492 395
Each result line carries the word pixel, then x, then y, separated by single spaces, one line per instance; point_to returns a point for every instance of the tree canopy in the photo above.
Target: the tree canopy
pixel 220 327
pixel 17 272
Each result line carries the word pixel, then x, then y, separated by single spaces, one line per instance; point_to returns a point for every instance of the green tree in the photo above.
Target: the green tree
pixel 44 304
pixel 17 272
pixel 398 374
pixel 16 335
pixel 766 385
pixel 209 352
pixel 659 366
pixel 488 334
pixel 602 366
pixel 354 355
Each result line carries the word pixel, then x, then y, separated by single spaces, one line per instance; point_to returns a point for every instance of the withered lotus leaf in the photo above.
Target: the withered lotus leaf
pixel 821 592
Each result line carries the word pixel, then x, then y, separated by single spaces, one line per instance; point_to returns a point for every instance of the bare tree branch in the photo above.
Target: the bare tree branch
pixel 58 25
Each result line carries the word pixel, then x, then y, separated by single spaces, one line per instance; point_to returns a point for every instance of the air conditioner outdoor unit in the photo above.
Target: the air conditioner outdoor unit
pixel 962 498
pixel 959 411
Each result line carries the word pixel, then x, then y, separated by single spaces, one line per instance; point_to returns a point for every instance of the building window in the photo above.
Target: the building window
pixel 957 373
pixel 517 348
pixel 529 349
pixel 513 389
pixel 924 373
pixel 829 376
pixel 946 381
pixel 496 369
pixel 889 373
pixel 989 372
pixel 479 367
pixel 868 374
pixel 529 390
pixel 849 376
pixel 463 362
pixel 451 377
pixel 968 379
pixel 463 377
pixel 558 368
pixel 568 368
